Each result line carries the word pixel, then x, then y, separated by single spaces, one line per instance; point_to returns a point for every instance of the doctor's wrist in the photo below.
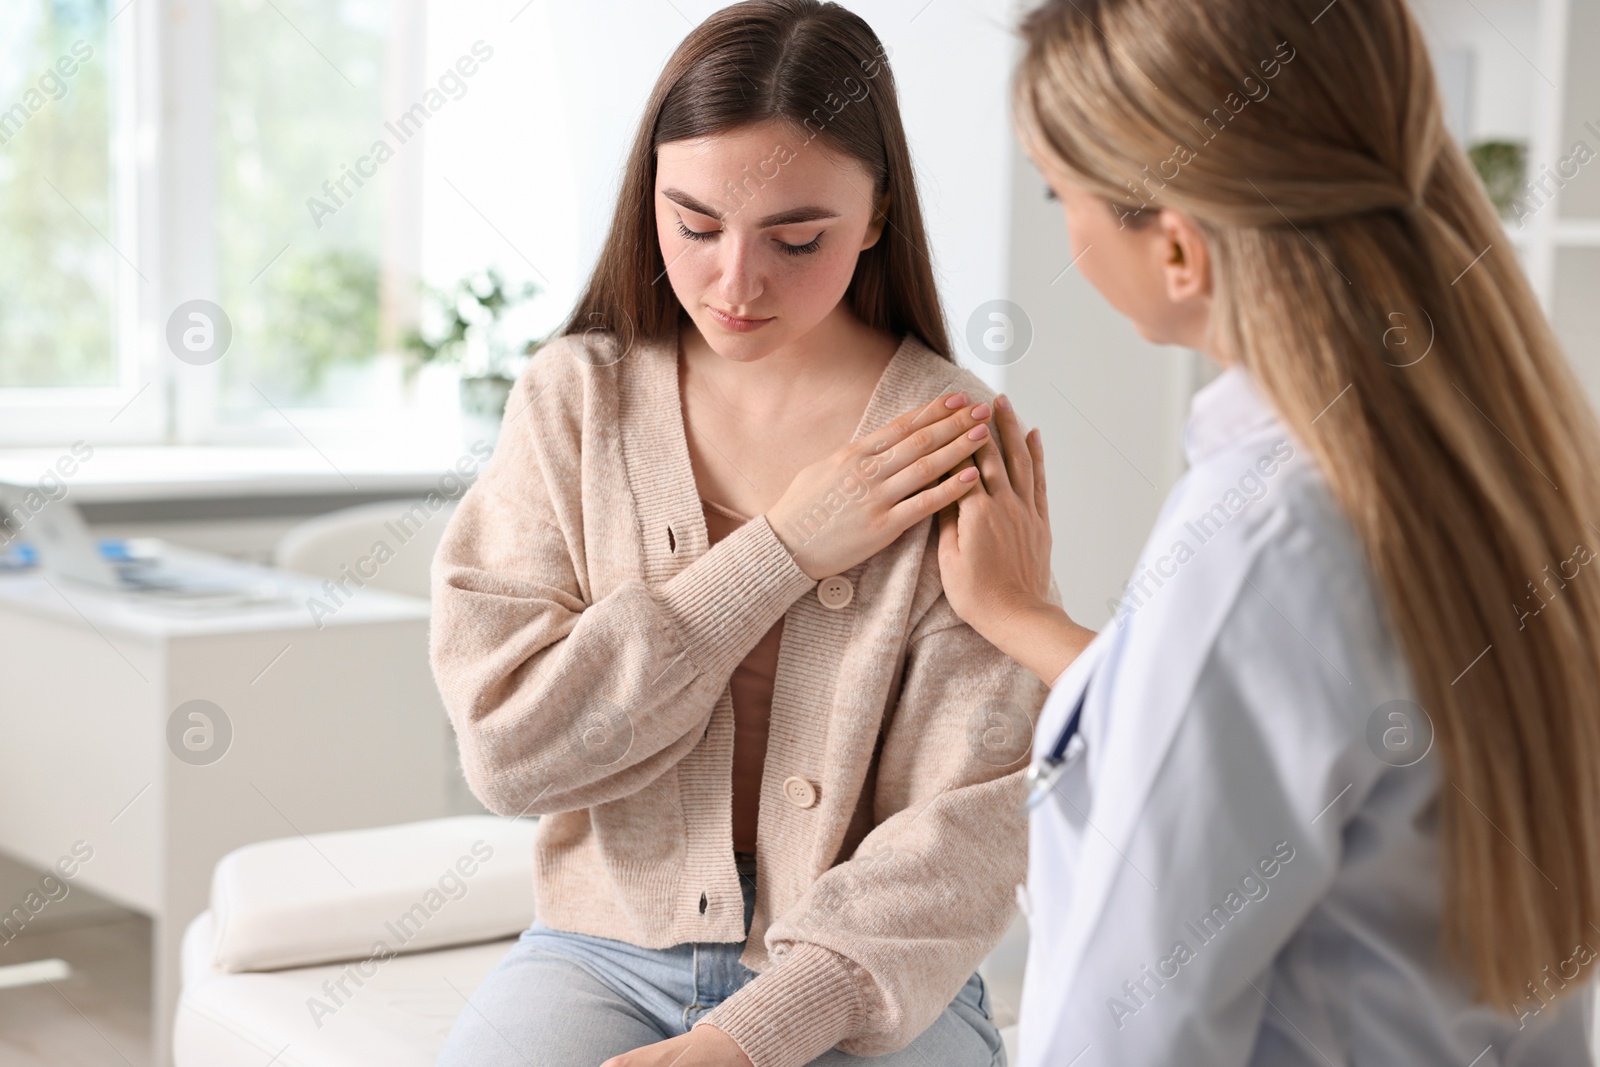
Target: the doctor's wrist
pixel 1042 637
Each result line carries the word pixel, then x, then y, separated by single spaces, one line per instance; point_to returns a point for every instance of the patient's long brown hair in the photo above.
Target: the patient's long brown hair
pixel 821 69
pixel 1339 211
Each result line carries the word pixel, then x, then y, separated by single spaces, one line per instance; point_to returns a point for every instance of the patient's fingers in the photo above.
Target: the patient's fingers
pixel 925 452
pixel 933 499
pixel 907 422
pixel 919 471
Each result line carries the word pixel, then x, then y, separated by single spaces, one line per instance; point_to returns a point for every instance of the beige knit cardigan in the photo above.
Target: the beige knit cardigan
pixel 583 637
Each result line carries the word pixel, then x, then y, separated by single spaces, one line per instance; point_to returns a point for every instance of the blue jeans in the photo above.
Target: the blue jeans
pixel 561 999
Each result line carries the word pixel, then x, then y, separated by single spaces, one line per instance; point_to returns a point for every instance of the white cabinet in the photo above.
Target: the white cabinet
pixel 1572 247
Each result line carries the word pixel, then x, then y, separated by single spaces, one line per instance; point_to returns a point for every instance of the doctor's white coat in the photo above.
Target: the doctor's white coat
pixel 1240 864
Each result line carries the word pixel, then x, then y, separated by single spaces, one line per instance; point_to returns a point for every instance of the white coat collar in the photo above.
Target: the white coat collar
pixel 1222 411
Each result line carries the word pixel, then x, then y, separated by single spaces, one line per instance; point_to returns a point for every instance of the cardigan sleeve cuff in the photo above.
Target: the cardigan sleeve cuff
pixel 725 600
pixel 794 1011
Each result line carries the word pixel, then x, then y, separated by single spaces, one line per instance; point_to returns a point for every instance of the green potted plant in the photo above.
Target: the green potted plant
pixel 466 330
pixel 1502 166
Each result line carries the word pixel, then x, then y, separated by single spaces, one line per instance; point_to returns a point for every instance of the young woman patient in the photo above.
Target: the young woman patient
pixel 691 612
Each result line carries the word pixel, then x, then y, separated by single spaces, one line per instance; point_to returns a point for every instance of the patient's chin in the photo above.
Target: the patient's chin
pixel 744 348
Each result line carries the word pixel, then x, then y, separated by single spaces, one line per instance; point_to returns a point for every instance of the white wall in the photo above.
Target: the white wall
pixel 1502 36
pixel 500 184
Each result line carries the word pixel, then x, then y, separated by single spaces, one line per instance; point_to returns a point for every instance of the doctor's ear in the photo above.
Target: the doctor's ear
pixel 1186 260
pixel 880 218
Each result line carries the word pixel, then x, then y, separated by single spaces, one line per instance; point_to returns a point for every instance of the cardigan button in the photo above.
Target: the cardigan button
pixel 799 792
pixel 835 592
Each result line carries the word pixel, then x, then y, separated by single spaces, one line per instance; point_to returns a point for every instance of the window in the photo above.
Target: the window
pixel 313 168
pixel 57 318
pixel 300 234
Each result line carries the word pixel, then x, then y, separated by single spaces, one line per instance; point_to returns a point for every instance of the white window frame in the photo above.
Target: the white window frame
pixel 131 410
pixel 163 165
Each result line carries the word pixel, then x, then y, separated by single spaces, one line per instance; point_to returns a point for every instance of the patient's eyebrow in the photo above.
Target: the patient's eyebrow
pixel 683 199
pixel 782 218
pixel 799 214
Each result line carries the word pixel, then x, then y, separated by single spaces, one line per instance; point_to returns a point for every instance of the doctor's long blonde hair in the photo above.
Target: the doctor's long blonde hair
pixel 1347 231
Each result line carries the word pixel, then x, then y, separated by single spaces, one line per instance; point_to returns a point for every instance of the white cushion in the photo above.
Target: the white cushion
pixel 359 894
pixel 398 1017
pixel 287 903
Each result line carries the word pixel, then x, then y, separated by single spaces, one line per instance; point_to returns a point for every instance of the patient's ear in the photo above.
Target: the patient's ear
pixel 880 218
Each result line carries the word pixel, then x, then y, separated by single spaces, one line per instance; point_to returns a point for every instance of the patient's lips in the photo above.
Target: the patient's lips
pixel 736 323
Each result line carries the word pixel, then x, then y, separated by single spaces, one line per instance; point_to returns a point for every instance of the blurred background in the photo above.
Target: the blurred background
pixel 267 268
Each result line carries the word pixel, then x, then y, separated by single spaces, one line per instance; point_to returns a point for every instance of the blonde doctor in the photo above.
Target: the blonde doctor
pixel 1324 791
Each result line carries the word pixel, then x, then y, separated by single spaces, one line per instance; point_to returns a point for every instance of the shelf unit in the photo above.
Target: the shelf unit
pixel 1565 261
pixel 1532 78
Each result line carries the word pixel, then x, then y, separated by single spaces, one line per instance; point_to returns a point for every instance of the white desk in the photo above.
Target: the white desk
pixel 333 728
pixel 238 502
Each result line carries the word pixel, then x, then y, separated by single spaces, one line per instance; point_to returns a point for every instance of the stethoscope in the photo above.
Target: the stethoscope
pixel 1043 775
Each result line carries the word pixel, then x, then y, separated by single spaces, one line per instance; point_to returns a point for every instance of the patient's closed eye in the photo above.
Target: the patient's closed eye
pixel 802 249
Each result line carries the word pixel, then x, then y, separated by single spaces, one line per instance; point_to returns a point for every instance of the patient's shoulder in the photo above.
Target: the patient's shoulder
pixel 930 375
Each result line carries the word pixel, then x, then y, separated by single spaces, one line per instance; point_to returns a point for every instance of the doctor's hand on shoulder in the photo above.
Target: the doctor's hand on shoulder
pixel 994 553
